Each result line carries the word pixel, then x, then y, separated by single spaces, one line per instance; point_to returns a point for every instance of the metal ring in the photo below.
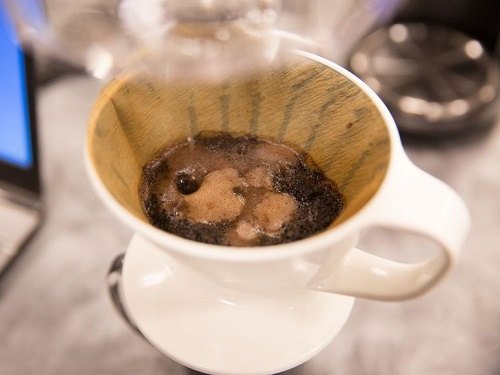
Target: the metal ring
pixel 113 279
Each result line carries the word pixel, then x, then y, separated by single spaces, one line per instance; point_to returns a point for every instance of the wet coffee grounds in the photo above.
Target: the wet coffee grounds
pixel 223 189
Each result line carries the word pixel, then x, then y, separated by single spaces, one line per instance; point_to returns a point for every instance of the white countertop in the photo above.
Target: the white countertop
pixel 56 317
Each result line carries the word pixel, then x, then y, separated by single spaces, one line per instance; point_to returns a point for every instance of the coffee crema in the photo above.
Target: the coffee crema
pixel 233 190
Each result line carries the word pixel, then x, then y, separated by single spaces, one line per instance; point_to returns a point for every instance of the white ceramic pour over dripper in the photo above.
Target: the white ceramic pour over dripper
pixel 212 292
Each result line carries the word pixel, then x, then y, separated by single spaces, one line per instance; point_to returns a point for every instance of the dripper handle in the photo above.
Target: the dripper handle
pixel 410 200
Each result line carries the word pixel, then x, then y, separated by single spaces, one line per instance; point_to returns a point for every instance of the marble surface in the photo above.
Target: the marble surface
pixel 56 318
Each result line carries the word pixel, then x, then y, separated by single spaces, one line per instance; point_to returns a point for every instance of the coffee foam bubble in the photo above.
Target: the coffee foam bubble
pixel 215 200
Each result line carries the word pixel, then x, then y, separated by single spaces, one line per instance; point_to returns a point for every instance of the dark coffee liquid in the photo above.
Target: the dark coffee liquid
pixel 238 191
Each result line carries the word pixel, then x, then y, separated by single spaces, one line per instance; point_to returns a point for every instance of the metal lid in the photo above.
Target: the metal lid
pixel 435 80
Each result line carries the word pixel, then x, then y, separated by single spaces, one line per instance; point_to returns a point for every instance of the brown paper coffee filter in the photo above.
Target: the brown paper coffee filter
pixel 307 105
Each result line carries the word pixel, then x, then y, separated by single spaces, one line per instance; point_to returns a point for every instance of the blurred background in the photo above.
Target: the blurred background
pixel 434 63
